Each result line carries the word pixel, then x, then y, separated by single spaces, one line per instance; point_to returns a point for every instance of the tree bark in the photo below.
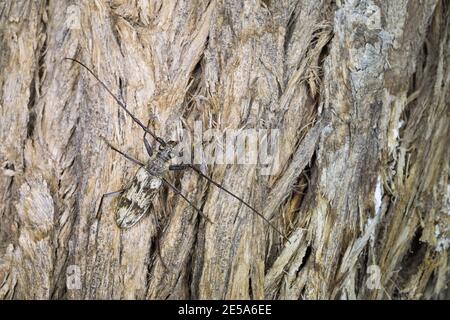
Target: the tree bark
pixel 358 90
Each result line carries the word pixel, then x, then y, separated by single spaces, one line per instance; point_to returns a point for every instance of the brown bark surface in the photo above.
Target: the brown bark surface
pixel 358 89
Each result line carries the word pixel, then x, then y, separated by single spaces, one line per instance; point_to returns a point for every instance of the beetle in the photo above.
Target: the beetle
pixel 136 198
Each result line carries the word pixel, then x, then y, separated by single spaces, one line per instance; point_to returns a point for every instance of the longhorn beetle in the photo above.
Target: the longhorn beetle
pixel 135 199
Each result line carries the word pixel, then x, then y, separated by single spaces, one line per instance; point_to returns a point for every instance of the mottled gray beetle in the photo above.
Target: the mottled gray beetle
pixel 136 198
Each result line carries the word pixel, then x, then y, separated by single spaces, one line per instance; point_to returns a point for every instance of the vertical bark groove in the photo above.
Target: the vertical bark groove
pixel 358 90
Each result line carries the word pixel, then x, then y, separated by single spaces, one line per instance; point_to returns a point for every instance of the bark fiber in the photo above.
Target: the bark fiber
pixel 359 90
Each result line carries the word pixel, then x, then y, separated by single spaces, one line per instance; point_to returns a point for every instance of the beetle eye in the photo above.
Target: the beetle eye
pixel 172 143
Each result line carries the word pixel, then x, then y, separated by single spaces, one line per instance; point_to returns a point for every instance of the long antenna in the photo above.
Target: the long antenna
pixel 122 104
pixel 163 143
pixel 178 192
pixel 238 198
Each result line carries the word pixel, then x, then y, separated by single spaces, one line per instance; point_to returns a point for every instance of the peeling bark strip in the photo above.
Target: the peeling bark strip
pixel 358 89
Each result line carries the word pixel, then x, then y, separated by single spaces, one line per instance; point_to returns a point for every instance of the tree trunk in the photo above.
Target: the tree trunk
pixel 358 91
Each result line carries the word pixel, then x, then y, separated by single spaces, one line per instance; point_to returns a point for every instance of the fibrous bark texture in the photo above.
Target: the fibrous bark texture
pixel 357 89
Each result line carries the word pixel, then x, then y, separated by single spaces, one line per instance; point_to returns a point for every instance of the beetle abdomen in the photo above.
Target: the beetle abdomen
pixel 136 200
